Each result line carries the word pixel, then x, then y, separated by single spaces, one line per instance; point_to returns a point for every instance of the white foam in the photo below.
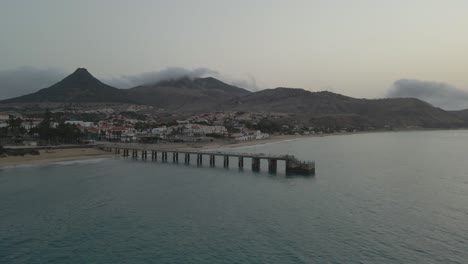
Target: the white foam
pixel 83 161
pixel 55 163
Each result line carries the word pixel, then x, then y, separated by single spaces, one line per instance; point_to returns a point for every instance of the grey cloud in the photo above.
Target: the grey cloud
pixel 128 81
pixel 250 83
pixel 438 94
pixel 24 80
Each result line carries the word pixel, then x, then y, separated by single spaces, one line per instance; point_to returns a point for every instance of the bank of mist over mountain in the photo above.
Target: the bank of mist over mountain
pixel 185 94
pixel 197 95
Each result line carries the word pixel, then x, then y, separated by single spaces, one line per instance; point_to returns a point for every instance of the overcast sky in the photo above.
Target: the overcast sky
pixel 358 48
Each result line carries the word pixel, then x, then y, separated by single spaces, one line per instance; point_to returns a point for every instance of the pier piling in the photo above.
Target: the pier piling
pixel 241 162
pixel 256 164
pixel 292 164
pixel 272 165
pixel 212 160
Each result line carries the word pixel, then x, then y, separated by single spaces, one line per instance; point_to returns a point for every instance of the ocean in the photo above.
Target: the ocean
pixel 396 197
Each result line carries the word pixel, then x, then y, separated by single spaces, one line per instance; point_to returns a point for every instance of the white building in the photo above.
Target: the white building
pixel 252 135
pixel 79 123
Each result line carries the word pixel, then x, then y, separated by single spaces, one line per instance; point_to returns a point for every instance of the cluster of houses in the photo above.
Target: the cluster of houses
pixel 204 128
pixel 184 131
pixel 27 123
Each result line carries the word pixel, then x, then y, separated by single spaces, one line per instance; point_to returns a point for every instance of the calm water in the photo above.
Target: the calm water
pixel 377 198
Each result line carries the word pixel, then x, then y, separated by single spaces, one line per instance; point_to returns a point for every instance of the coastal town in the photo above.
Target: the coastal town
pixel 142 124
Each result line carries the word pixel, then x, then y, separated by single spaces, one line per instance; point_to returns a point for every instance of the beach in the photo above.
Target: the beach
pixel 218 144
pixel 67 154
pixel 55 155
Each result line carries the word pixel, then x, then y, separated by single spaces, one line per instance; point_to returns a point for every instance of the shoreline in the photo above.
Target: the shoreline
pixel 56 155
pixel 67 154
pixel 274 139
pixel 282 138
pixel 226 144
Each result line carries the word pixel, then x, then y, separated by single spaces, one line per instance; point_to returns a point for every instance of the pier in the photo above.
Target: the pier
pixel 292 165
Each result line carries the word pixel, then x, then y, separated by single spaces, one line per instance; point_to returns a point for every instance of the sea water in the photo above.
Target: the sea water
pixel 397 197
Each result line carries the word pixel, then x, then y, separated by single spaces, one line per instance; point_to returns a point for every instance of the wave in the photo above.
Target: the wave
pixel 55 163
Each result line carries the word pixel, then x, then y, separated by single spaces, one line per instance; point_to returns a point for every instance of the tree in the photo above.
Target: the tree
pixel 14 126
pixel 63 133
pixel 44 129
pixel 268 126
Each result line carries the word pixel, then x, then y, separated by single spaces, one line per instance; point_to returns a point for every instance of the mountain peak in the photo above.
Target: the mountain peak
pixel 80 86
pixel 79 78
pixel 83 72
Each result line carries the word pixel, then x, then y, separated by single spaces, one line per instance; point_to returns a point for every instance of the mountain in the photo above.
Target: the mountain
pixel 185 94
pixel 329 108
pixel 462 114
pixel 209 94
pixel 78 87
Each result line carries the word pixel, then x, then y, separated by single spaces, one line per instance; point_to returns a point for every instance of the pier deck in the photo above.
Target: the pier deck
pixel 293 165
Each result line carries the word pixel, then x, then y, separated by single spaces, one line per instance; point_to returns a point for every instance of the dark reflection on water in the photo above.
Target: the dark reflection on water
pixel 377 198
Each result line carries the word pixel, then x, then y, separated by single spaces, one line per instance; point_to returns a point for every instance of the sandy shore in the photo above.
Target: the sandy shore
pixel 217 144
pixel 88 153
pixel 55 155
pixel 237 144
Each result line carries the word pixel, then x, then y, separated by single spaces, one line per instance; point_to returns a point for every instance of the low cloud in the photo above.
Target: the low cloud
pixel 25 80
pixel 439 94
pixel 249 83
pixel 128 81
pixel 171 73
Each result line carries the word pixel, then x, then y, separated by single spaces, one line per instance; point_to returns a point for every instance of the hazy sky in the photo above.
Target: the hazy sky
pixel 354 47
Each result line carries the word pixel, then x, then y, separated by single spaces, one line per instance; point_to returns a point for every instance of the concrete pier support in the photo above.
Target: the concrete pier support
pixel 241 162
pixel 292 164
pixel 212 160
pixel 272 165
pixel 255 164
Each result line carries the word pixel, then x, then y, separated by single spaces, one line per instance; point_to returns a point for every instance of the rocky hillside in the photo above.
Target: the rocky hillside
pixel 337 108
pixel 209 94
pixel 186 95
